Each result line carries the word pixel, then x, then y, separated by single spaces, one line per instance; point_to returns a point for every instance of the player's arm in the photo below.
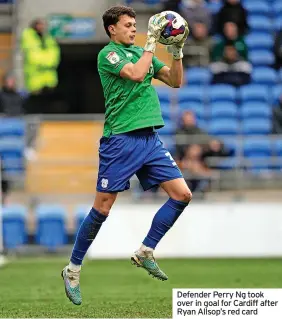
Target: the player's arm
pixel 172 76
pixel 138 71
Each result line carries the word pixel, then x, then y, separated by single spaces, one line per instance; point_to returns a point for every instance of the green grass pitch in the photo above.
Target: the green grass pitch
pixel 33 287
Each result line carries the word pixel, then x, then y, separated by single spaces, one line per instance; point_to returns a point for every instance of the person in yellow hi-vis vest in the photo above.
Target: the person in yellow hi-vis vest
pixel 41 55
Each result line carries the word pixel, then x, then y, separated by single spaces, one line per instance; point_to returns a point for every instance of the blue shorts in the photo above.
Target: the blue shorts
pixel 138 152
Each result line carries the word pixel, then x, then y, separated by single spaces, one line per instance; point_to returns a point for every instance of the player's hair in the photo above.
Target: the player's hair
pixel 111 16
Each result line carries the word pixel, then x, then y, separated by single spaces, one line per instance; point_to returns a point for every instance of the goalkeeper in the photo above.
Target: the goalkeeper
pixel 130 144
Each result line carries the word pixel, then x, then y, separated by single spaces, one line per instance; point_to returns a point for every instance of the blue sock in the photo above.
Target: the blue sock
pixel 86 234
pixel 163 221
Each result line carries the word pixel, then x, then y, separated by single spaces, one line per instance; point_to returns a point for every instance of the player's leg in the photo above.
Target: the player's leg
pixel 91 226
pixel 164 219
pixel 177 189
pixel 118 159
pixel 161 169
pixel 179 197
pixel 85 236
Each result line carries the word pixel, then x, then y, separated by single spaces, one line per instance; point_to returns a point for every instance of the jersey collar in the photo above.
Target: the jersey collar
pixel 121 45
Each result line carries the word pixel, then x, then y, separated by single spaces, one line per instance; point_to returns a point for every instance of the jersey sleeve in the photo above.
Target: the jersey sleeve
pixel 111 62
pixel 157 64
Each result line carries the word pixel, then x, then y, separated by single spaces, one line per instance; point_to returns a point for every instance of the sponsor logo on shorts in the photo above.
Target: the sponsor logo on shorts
pixel 104 183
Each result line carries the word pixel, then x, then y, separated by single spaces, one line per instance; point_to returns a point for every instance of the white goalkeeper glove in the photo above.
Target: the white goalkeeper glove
pixel 177 49
pixel 156 25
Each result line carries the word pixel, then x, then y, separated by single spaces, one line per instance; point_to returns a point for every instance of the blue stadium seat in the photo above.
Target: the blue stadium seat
pixel 14 226
pixel 197 76
pixel 12 154
pixel 224 127
pixel 213 7
pixel 152 2
pixel 260 23
pixel 280 75
pixel 276 93
pixel 261 57
pixel 278 23
pixel 278 148
pixel 168 129
pixel 51 230
pixel 259 41
pixel 166 110
pixel 12 127
pixel 222 92
pixel 148 2
pixel 193 93
pixel 197 108
pixel 277 8
pixel 258 7
pixel 252 110
pixel 201 124
pixel 264 76
pixel 164 94
pixel 278 154
pixel 258 153
pixel 223 110
pixel 257 126
pixel 231 144
pixel 257 146
pixel 254 93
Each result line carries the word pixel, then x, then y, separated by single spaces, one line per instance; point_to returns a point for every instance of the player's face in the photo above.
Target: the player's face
pixel 125 30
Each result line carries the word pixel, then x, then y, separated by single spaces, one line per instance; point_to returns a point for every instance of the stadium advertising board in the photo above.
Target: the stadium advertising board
pixel 67 26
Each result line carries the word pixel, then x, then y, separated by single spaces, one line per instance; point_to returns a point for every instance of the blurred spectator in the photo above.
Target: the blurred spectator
pixel 4 185
pixel 278 49
pixel 195 11
pixel 213 152
pixel 231 36
pixel 173 5
pixel 41 55
pixel 196 173
pixel 197 51
pixel 231 69
pixel 11 103
pixel 189 133
pixel 232 11
pixel 277 118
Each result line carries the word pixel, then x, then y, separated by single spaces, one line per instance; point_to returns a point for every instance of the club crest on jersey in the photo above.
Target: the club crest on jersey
pixel 104 183
pixel 113 58
pixel 129 55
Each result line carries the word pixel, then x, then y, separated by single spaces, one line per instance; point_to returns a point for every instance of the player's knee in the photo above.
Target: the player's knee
pixel 104 205
pixel 104 210
pixel 104 202
pixel 185 196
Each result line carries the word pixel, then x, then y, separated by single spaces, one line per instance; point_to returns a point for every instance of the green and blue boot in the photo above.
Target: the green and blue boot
pixel 72 289
pixel 146 260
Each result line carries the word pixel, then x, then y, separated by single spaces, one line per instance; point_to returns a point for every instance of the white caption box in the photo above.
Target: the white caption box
pixel 227 303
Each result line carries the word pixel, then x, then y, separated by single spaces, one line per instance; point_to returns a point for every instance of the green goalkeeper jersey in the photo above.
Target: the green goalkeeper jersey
pixel 129 105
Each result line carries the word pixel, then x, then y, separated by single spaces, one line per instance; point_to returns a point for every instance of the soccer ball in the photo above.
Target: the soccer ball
pixel 175 30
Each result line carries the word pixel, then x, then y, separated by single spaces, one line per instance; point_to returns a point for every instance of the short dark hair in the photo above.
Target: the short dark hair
pixel 111 16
